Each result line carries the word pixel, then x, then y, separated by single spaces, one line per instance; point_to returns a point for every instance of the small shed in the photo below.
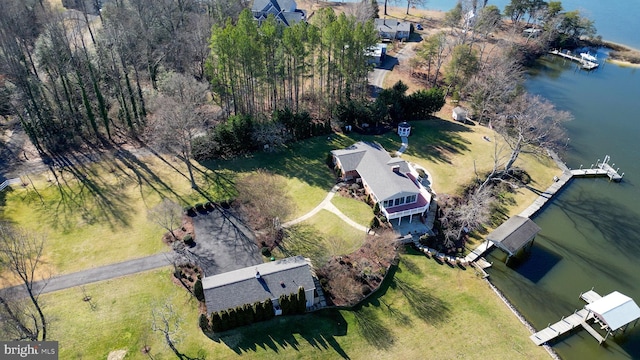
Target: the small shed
pixel 404 129
pixel 615 311
pixel 514 235
pixel 459 114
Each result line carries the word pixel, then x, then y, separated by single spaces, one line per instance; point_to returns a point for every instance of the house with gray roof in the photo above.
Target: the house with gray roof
pixel 392 29
pixel 259 283
pixel 284 11
pixel 391 182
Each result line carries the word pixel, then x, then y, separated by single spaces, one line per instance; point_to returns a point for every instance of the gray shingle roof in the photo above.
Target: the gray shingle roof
pixel 262 5
pixel 375 167
pixel 514 233
pixel 239 287
pixel 391 25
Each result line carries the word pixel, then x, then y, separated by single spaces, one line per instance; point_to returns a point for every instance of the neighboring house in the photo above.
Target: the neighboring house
pixel 90 6
pixel 531 32
pixel 391 29
pixel 459 114
pixel 391 182
pixel 376 54
pixel 284 11
pixel 259 283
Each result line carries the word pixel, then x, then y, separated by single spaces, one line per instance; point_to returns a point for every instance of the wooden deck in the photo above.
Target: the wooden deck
pixel 590 296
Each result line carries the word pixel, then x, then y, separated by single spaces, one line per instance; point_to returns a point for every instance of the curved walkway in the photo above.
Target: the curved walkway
pixel 327 205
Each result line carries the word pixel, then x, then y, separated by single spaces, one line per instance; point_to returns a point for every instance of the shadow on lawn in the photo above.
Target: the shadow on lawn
pixel 435 139
pixel 85 192
pixel 319 329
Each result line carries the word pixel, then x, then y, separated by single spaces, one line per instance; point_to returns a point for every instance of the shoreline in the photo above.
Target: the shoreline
pixel 621 54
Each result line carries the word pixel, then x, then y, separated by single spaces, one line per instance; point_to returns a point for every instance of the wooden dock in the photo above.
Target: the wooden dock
pixel 590 296
pixel 566 324
pixel 600 169
pixel 586 64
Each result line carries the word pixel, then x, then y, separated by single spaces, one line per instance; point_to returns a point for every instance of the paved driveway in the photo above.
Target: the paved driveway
pixel 223 242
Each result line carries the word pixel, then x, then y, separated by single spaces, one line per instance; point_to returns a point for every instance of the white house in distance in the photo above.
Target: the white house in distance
pixel 259 283
pixel 392 29
pixel 284 11
pixel 459 114
pixel 392 182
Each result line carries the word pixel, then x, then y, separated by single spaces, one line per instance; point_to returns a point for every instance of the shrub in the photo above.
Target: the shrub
pixel 376 208
pixel 265 251
pixel 301 301
pixel 375 223
pixel 198 290
pixel 203 321
pixel 329 160
pixel 216 322
pixel 177 273
pixel 187 238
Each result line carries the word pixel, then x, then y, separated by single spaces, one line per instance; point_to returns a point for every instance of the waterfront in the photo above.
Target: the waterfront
pixel 591 232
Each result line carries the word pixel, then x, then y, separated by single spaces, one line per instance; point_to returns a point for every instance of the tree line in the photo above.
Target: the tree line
pixel 256 69
pixel 72 80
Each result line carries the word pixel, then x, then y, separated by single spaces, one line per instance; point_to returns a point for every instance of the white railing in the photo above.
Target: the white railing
pixel 9 182
pixel 408 212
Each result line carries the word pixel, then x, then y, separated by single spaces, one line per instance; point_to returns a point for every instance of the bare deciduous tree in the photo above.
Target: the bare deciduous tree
pixel 496 83
pixel 167 214
pixel 363 10
pixel 465 215
pixel 265 198
pixel 166 321
pixel 21 256
pixel 177 119
pixel 528 125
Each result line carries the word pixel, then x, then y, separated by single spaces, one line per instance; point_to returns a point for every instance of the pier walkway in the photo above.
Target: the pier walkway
pixel 601 169
pixel 586 64
pixel 566 324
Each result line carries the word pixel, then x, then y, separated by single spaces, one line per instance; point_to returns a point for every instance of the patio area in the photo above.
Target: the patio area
pixel 404 227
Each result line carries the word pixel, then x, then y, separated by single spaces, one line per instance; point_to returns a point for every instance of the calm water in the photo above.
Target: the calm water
pixel 591 233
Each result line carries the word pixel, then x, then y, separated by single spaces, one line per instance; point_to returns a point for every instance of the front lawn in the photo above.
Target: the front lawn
pixel 320 237
pixel 356 210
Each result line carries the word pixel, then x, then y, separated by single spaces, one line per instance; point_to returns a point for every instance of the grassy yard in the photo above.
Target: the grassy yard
pixel 96 214
pixel 320 237
pixel 427 311
pixel 356 210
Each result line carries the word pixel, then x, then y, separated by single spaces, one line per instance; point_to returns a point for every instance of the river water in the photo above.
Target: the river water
pixel 591 232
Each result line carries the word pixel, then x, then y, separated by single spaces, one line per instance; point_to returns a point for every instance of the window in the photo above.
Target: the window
pixel 411 199
pixel 399 201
